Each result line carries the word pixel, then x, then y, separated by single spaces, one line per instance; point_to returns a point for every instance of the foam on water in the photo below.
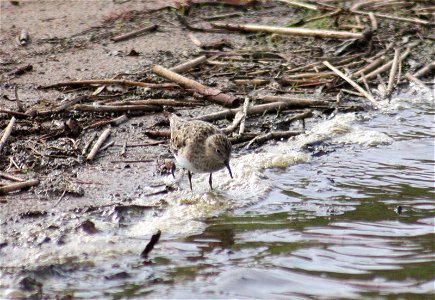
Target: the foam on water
pixel 186 209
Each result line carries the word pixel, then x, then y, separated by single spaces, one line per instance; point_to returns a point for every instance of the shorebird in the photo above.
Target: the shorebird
pixel 199 147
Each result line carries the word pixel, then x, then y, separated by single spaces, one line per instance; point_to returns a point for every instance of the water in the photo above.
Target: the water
pixel 355 220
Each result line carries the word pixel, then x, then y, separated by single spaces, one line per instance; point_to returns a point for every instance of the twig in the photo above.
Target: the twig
pixel 393 72
pixel 222 16
pixel 98 144
pixel 189 64
pixel 211 94
pixel 272 136
pixel 366 84
pixel 195 41
pixel 414 79
pixel 252 110
pixel 237 119
pixel 14 113
pixel 116 121
pixel 124 149
pixel 186 24
pixel 296 101
pixel 245 113
pixel 132 34
pixel 11 177
pixel 63 106
pixel 107 145
pixel 117 108
pixel 149 247
pixel 425 70
pixel 166 102
pixel 60 198
pixel 300 4
pixel 302 116
pixel 17 99
pixel 23 38
pixel 374 23
pixel 88 144
pixel 21 70
pixel 369 67
pixel 110 81
pixel 131 161
pixel 291 31
pixel 395 18
pixel 386 66
pixel 353 83
pixel 18 186
pixel 352 92
pixel 7 133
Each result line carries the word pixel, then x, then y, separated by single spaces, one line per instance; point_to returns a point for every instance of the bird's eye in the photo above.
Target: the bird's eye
pixel 218 151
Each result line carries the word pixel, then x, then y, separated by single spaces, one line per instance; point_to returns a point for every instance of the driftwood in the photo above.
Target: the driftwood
pixel 7 133
pixel 291 31
pixel 211 94
pixel 18 186
pixel 117 108
pixel 135 33
pixel 110 81
pixel 98 144
pixel 353 83
pixel 189 64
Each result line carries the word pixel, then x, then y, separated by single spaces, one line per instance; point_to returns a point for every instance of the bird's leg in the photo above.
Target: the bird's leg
pixel 210 182
pixel 190 179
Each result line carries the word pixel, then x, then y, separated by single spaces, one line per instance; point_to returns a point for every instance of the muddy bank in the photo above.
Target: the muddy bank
pixel 68 43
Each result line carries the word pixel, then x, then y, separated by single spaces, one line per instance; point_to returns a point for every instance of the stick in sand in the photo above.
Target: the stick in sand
pixel 7 133
pixel 353 83
pixel 18 186
pixel 98 144
pixel 189 64
pixel 291 31
pixel 211 94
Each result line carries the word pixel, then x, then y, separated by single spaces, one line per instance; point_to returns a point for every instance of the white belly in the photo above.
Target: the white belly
pixel 185 163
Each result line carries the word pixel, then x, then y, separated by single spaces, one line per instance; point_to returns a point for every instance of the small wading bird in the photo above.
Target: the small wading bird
pixel 199 147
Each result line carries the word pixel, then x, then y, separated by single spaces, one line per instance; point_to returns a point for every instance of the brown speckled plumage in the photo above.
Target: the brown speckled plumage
pixel 199 147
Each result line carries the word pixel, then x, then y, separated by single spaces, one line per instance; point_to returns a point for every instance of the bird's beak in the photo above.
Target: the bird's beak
pixel 227 164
